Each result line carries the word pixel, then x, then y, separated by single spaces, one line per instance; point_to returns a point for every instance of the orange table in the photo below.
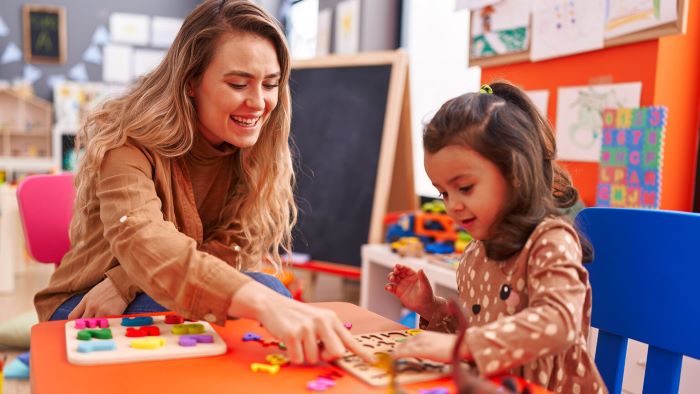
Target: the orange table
pixel 51 372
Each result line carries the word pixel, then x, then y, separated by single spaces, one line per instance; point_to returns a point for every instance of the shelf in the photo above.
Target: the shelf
pixel 26 163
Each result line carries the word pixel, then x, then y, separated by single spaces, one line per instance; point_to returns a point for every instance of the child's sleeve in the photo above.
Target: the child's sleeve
pixel 156 257
pixel 556 285
pixel 438 320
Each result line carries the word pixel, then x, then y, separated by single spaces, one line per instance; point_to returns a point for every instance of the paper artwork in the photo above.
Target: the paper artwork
pixel 347 27
pixel 627 16
pixel 116 63
pixel 164 30
pixel 579 123
pixel 129 28
pixel 566 27
pixel 500 29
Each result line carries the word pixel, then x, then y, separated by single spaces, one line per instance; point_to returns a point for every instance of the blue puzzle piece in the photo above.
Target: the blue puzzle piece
pixel 251 336
pixel 24 357
pixel 137 321
pixel 16 370
pixel 96 346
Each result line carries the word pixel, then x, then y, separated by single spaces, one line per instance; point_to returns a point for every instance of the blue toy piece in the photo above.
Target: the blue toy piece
pixel 440 248
pixel 644 277
pixel 96 346
pixel 137 321
pixel 24 357
pixel 402 228
pixel 16 369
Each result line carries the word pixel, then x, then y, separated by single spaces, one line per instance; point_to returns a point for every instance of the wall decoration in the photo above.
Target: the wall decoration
pixel 347 26
pixel 500 29
pixel 566 27
pixel 44 34
pixel 11 54
pixel 129 28
pixel 578 116
pixel 627 16
pixel 631 157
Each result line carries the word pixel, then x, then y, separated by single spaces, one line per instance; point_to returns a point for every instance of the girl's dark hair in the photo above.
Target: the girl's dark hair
pixel 507 129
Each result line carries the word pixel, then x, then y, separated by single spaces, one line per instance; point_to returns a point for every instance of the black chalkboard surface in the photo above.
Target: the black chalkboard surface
pixel 345 124
pixel 44 34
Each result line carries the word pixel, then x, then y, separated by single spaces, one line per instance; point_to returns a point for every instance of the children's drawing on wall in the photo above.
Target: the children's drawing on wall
pixel 631 157
pixel 579 121
pixel 500 28
pixel 565 27
pixel 627 16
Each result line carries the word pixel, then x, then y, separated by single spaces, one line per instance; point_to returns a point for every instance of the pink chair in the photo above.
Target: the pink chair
pixel 45 208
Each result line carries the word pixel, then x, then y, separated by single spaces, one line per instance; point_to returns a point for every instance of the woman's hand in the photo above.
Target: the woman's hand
pixel 412 288
pixel 428 344
pixel 101 300
pixel 310 333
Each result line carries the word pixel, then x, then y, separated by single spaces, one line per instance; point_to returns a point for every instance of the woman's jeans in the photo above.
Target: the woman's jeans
pixel 144 304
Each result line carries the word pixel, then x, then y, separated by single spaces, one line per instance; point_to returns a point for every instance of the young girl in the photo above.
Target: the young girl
pixel 186 186
pixel 521 280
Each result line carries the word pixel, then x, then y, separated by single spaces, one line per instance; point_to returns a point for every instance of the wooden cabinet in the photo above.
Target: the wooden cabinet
pixel 25 126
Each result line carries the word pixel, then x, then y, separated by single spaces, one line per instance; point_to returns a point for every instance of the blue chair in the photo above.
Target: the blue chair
pixel 644 277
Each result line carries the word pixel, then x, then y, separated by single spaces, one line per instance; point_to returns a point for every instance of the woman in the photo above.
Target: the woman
pixel 186 182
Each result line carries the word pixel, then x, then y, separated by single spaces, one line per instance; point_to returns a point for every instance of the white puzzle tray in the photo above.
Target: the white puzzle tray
pixel 198 340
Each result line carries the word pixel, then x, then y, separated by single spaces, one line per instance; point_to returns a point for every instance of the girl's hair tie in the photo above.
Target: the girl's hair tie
pixel 485 88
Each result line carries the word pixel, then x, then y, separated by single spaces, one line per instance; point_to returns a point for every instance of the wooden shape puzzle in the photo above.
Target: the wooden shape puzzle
pixel 120 351
pixel 408 370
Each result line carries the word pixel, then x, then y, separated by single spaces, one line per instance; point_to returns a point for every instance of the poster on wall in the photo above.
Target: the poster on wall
pixel 579 122
pixel 628 16
pixel 631 157
pixel 566 27
pixel 500 29
pixel 347 27
pixel 44 34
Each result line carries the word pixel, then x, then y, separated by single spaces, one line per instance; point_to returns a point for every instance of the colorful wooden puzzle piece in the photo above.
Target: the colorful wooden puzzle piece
pixel 137 321
pixel 93 322
pixel 148 343
pixel 145 331
pixel 277 359
pixel 96 346
pixel 89 333
pixel 259 367
pixel 251 336
pixel 174 319
pixel 193 340
pixel 192 328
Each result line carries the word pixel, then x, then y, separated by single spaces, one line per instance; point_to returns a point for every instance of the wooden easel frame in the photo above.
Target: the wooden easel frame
pixel 394 188
pixel 677 26
pixel 27 35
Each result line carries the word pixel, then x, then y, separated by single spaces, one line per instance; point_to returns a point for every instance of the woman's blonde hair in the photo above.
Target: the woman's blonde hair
pixel 158 114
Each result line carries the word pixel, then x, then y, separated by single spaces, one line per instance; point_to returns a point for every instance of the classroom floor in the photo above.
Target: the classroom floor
pixel 36 276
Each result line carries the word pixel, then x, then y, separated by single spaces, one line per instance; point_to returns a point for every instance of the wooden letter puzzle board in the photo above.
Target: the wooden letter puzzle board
pixel 408 370
pixel 124 353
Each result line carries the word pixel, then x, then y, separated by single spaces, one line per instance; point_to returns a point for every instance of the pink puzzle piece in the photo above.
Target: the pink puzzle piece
pixel 193 340
pixel 93 322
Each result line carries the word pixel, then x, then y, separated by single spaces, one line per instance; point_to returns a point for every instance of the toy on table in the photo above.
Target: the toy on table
pixel 142 338
pixel 408 370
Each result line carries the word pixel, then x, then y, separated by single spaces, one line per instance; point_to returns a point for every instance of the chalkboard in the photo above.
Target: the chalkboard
pixel 44 31
pixel 346 117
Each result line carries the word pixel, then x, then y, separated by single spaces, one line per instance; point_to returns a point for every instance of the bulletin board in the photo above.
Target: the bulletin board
pixel 677 26
pixel 44 34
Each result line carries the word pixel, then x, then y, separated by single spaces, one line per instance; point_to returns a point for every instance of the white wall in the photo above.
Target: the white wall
pixel 436 38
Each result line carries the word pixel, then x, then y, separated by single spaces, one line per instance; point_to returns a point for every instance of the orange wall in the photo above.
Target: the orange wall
pixel 628 63
pixel 678 88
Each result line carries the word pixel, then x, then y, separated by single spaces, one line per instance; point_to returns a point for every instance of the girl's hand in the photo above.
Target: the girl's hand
pixel 310 333
pixel 102 300
pixel 412 288
pixel 428 344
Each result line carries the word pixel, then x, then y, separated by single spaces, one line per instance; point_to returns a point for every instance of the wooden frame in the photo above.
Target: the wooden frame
pixel 394 187
pixel 674 27
pixel 56 34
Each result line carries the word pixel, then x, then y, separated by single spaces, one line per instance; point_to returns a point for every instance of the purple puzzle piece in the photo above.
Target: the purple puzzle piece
pixel 251 336
pixel 435 390
pixel 192 340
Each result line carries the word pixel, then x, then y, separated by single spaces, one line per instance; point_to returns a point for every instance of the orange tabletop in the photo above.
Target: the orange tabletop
pixel 51 373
